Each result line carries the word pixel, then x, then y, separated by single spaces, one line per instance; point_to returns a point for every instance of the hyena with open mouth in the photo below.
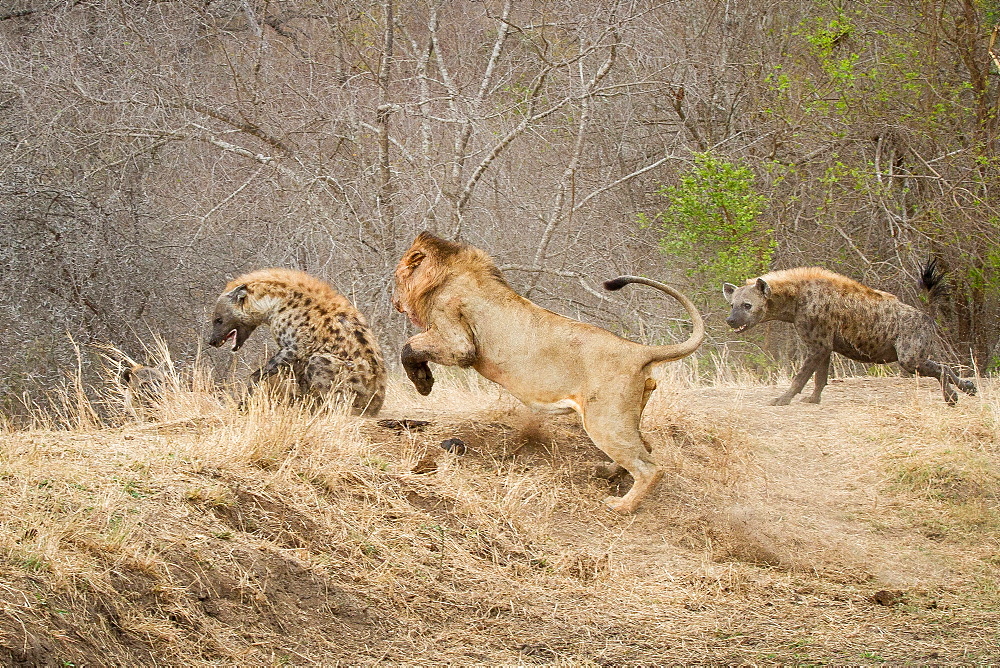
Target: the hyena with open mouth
pixel 322 338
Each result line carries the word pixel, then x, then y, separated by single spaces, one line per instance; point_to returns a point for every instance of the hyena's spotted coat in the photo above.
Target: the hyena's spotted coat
pixel 833 313
pixel 321 336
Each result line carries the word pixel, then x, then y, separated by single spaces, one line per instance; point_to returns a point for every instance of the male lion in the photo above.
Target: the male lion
pixel 473 318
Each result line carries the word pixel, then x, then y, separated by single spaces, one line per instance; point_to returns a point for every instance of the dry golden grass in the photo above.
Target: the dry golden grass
pixel 861 530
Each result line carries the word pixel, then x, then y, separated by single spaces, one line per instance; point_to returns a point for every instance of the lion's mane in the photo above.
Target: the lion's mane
pixel 439 261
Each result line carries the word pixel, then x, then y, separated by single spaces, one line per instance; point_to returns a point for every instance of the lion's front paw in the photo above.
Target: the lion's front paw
pixel 421 376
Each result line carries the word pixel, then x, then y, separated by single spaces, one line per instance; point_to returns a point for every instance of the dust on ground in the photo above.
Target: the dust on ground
pixel 860 530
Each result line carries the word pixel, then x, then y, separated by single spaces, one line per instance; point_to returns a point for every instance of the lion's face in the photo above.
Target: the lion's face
pixel 408 283
pixel 425 267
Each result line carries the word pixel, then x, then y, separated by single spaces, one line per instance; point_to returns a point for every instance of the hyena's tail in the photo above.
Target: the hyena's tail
pixel 676 351
pixel 938 292
pixel 932 280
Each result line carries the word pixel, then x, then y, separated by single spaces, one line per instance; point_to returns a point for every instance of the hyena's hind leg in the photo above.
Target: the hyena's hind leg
pixel 912 348
pixel 349 381
pixel 945 375
pixel 948 377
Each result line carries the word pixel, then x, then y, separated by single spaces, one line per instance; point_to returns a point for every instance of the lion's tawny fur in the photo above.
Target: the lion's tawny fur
pixel 447 258
pixel 322 338
pixel 471 317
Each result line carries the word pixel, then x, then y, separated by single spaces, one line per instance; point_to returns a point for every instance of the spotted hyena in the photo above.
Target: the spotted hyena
pixel 321 336
pixel 833 313
pixel 143 386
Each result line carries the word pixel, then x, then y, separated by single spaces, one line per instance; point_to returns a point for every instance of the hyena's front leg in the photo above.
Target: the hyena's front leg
pixel 819 382
pixel 449 348
pixel 284 357
pixel 816 356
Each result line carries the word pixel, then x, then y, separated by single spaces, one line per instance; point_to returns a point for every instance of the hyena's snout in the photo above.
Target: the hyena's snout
pixel 740 321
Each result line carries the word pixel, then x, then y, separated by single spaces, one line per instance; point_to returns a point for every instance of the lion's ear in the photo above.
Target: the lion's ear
pixel 415 259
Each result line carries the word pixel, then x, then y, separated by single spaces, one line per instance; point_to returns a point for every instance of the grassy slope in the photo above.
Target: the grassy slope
pixel 206 535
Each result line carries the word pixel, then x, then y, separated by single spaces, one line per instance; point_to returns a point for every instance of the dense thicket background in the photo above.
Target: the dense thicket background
pixel 149 151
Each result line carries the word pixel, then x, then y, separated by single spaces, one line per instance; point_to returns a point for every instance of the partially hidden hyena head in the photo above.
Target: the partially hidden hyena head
pixel 833 313
pixel 322 338
pixel 144 386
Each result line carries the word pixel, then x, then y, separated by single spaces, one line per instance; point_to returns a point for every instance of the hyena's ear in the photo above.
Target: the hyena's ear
pixel 764 288
pixel 238 294
pixel 125 375
pixel 727 291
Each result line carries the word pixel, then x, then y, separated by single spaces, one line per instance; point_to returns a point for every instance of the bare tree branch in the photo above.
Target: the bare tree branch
pixel 568 183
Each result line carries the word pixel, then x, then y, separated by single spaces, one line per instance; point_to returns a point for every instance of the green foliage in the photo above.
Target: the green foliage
pixel 823 37
pixel 983 267
pixel 712 224
pixel 991 12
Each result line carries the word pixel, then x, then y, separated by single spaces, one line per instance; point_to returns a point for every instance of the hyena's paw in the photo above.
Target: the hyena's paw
pixel 968 387
pixel 781 401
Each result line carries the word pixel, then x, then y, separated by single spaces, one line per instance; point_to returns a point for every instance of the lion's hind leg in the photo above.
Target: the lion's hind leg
pixel 616 432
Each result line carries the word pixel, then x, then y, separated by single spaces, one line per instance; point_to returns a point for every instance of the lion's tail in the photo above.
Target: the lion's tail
pixel 676 351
